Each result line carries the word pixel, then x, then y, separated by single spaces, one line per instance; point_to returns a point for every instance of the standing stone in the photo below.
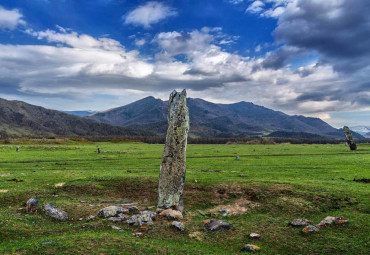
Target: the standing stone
pixel 32 204
pixel 173 166
pixel 350 141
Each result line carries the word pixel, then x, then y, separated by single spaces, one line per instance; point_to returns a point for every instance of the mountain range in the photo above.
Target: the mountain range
pixel 362 130
pixel 148 117
pixel 22 119
pixel 217 120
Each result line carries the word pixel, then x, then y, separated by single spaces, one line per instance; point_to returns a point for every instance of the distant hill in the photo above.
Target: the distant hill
pixel 215 120
pixel 19 118
pixel 80 113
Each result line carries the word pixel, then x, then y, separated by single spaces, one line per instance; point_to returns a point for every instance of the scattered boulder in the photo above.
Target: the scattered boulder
pixel 111 211
pixel 32 204
pixel 178 225
pixel 171 214
pixel 310 229
pixel 299 222
pixel 340 220
pixel 120 217
pixel 216 225
pixel 328 220
pixel 55 212
pixel 144 218
pixel 255 236
pixel 250 248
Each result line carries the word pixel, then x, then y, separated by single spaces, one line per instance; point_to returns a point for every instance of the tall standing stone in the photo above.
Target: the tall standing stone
pixel 173 166
pixel 350 141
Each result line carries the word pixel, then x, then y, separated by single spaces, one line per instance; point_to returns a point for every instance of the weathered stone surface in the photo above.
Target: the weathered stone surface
pixel 55 212
pixel 111 211
pixel 32 204
pixel 250 248
pixel 171 214
pixel 144 218
pixel 340 220
pixel 299 222
pixel 216 225
pixel 133 210
pixel 310 229
pixel 120 217
pixel 178 225
pixel 173 166
pixel 328 220
pixel 350 141
pixel 255 236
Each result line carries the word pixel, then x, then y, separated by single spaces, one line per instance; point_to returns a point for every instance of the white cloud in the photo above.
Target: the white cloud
pixel 255 7
pixel 148 14
pixel 10 19
pixel 140 42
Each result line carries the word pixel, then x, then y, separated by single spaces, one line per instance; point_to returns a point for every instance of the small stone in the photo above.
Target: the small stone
pixel 299 222
pixel 32 204
pixel 80 219
pixel 144 218
pixel 340 220
pixel 91 217
pixel 115 227
pixel 237 158
pixel 171 214
pixel 55 212
pixel 138 234
pixel 328 220
pixel 82 201
pixel 111 211
pixel 310 229
pixel 255 236
pixel 215 225
pixel 250 248
pixel 178 225
pixel 133 210
pixel 222 211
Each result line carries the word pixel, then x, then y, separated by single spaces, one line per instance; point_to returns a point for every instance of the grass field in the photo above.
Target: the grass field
pixel 274 184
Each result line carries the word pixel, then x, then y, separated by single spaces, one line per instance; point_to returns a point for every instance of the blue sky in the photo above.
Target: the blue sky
pixel 301 57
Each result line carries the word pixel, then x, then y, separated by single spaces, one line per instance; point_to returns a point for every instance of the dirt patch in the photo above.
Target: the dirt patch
pixel 362 180
pixel 240 206
pixel 3 190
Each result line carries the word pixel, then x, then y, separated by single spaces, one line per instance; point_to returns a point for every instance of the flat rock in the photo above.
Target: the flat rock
pixel 340 220
pixel 250 248
pixel 171 214
pixel 310 229
pixel 178 225
pixel 119 218
pixel 255 236
pixel 55 212
pixel 111 211
pixel 216 225
pixel 328 220
pixel 144 218
pixel 32 204
pixel 116 228
pixel 299 222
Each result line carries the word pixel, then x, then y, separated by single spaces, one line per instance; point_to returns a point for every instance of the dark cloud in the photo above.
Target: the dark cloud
pixel 339 30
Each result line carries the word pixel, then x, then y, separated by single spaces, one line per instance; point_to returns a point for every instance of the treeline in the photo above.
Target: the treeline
pixel 161 140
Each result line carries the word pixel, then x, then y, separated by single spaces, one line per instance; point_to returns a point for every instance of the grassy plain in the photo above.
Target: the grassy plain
pixel 274 183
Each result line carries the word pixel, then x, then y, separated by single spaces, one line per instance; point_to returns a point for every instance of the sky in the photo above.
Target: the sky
pixel 302 57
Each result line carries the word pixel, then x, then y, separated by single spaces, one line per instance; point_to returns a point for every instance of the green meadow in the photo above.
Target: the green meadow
pixel 267 188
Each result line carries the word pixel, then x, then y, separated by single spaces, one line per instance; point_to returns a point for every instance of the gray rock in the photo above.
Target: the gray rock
pixel 340 220
pixel 310 229
pixel 178 225
pixel 171 214
pixel 299 222
pixel 254 236
pixel 55 212
pixel 111 211
pixel 116 228
pixel 328 220
pixel 216 225
pixel 32 204
pixel 250 248
pixel 119 218
pixel 351 143
pixel 144 218
pixel 237 158
pixel 173 166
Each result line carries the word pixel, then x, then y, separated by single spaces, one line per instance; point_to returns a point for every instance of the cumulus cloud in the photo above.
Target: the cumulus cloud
pixel 10 19
pixel 149 14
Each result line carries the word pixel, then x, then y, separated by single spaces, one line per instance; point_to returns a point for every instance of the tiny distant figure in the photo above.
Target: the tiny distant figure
pixel 99 150
pixel 18 148
pixel 237 158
